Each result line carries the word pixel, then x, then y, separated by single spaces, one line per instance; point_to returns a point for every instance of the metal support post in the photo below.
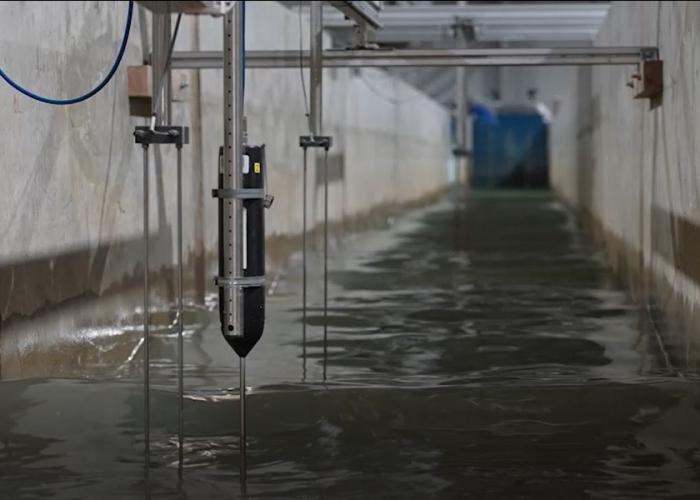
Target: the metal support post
pixel 306 142
pixel 303 267
pixel 232 234
pixel 316 76
pixel 461 119
pixel 316 72
pixel 325 262
pixel 461 98
pixel 180 320
pixel 243 420
pixel 160 80
pixel 146 136
pixel 146 320
pixel 316 140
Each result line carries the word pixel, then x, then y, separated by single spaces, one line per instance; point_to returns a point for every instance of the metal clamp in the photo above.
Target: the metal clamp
pixel 316 141
pixel 462 152
pixel 241 194
pixel 167 134
pixel 649 53
pixel 239 282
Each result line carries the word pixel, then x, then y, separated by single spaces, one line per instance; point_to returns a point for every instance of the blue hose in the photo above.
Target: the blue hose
pixel 100 86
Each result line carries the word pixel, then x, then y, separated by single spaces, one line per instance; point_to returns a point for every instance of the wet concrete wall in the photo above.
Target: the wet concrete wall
pixel 631 166
pixel 71 200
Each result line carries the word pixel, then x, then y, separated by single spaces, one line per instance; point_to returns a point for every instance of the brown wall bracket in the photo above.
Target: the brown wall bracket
pixel 139 90
pixel 648 82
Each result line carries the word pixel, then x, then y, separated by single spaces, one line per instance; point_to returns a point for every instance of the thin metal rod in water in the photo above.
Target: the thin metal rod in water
pixel 243 422
pixel 303 279
pixel 146 321
pixel 325 262
pixel 180 343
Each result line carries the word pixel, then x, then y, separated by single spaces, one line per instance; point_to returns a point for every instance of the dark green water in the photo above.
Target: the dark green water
pixel 475 350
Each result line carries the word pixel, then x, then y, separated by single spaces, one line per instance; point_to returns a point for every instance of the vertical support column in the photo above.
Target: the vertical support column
pixel 468 135
pixel 146 321
pixel 461 118
pixel 180 323
pixel 197 171
pixel 244 467
pixel 316 76
pixel 462 107
pixel 232 245
pixel 160 37
pixel 316 69
pixel 157 63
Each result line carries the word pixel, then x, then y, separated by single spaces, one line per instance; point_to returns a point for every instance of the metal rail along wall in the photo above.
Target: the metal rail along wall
pixel 254 251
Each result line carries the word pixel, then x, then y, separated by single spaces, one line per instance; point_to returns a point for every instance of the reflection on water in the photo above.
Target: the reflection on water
pixel 475 349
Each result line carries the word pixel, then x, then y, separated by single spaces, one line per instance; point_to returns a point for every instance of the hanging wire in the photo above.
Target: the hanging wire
pixel 96 89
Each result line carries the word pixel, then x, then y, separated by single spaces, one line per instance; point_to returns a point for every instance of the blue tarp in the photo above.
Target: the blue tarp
pixel 510 150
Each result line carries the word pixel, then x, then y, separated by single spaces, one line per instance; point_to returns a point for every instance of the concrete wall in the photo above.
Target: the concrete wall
pixel 632 165
pixel 71 200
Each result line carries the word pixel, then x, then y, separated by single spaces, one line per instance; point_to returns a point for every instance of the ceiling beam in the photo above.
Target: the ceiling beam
pixel 427 57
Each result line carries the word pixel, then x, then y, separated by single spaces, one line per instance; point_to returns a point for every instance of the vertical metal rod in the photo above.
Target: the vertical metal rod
pixel 180 319
pixel 243 421
pixel 325 262
pixel 461 119
pixel 232 168
pixel 197 172
pixel 146 320
pixel 316 121
pixel 316 68
pixel 462 108
pixel 467 133
pixel 303 266
pixel 160 81
pixel 168 86
pixel 143 29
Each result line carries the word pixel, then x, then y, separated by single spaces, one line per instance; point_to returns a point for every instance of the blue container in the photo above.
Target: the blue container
pixel 511 151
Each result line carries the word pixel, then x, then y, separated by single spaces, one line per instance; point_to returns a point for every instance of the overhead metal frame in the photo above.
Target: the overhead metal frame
pixel 361 13
pixel 491 22
pixel 218 8
pixel 436 14
pixel 600 56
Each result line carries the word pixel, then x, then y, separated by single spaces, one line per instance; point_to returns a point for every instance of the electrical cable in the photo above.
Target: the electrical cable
pixel 96 89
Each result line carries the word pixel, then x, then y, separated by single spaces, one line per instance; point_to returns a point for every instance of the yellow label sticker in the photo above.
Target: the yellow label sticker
pixel 256 167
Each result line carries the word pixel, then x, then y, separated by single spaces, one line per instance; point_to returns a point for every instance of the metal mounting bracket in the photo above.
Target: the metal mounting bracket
pixel 462 153
pixel 318 141
pixel 162 134
pixel 239 282
pixel 241 194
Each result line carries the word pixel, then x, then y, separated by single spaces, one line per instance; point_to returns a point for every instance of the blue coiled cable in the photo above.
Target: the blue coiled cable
pixel 100 86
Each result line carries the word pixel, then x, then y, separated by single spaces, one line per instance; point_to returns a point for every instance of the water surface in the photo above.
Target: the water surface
pixel 476 349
